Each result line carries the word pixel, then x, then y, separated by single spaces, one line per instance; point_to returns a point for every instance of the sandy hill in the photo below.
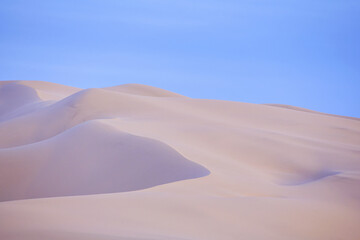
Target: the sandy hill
pixel 138 162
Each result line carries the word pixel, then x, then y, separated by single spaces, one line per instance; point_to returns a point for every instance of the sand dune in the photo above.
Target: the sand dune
pixel 138 162
pixel 90 158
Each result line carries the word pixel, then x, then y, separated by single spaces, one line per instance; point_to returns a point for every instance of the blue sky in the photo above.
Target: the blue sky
pixel 303 53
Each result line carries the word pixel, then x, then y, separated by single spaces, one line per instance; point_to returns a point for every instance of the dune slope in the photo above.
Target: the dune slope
pixel 137 162
pixel 90 158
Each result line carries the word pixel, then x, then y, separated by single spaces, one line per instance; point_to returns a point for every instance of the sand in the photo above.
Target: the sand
pixel 141 163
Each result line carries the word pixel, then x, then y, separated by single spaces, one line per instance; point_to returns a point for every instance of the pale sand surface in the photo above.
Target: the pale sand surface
pixel 141 163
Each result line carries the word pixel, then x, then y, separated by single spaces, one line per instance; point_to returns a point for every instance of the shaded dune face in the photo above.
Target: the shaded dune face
pixel 91 158
pixel 14 96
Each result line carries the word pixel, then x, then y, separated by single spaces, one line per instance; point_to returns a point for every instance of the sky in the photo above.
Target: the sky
pixel 303 53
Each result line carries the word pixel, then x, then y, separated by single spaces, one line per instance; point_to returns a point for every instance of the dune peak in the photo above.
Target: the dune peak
pixel 143 90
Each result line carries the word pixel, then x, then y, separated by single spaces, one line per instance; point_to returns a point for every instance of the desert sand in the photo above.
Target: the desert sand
pixel 141 163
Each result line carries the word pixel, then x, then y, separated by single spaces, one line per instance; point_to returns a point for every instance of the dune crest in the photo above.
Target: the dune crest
pixel 143 90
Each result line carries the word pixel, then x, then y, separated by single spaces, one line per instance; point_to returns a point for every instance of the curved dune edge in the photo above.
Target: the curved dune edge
pixel 276 172
pixel 90 158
